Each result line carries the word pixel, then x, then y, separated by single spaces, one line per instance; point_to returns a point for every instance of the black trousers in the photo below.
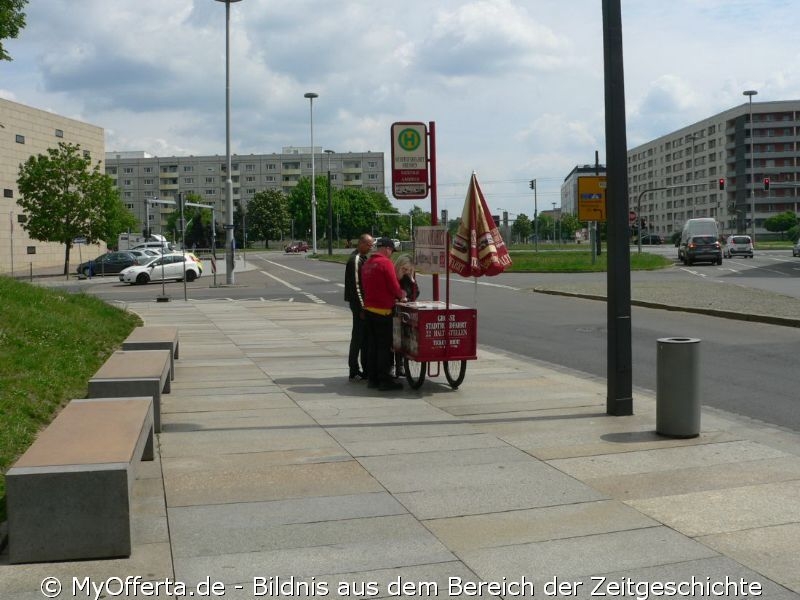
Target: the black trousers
pixel 357 359
pixel 379 348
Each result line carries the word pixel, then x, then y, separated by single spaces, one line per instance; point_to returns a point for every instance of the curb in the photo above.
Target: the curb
pixel 713 312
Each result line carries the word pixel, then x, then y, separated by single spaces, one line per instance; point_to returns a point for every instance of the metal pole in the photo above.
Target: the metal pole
pixel 535 219
pixel 434 199
pixel 229 239
pixel 330 206
pixel 619 399
pixel 311 96
pixel 750 94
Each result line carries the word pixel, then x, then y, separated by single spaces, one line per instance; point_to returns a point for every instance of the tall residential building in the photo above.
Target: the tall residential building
pixel 684 168
pixel 24 132
pixel 140 176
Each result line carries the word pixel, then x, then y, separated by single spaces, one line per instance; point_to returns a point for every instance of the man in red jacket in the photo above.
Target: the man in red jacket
pixel 381 291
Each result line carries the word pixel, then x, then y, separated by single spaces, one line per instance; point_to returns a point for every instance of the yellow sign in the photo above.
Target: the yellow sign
pixel 592 198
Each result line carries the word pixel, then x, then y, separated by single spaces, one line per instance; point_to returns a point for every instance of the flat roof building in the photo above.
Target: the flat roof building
pixel 139 176
pixel 24 132
pixel 684 168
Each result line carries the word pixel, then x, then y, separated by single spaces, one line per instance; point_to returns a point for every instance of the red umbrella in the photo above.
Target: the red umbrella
pixel 478 248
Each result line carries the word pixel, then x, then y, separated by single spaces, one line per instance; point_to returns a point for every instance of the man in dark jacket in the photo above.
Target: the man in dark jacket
pixel 354 295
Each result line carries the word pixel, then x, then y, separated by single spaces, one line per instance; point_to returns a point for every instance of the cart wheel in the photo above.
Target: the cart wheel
pixel 454 371
pixel 415 372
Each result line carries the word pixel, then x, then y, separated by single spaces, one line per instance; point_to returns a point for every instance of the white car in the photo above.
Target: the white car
pixel 144 256
pixel 168 266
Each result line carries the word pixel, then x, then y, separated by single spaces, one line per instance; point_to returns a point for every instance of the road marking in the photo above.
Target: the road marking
pixel 279 280
pixel 296 271
pixel 486 283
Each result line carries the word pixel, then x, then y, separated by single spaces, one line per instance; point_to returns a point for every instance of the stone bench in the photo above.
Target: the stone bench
pixel 69 496
pixel 155 337
pixel 129 373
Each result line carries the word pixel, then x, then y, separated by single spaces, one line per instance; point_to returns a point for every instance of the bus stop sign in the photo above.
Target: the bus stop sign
pixel 409 161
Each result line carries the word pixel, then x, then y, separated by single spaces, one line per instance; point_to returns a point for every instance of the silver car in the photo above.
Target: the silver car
pixel 739 245
pixel 167 266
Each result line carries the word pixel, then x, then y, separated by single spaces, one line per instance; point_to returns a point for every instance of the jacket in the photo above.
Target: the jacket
pixel 353 287
pixel 381 287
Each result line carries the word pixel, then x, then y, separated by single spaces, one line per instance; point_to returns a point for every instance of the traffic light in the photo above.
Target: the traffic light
pixel 721 184
pixel 766 184
pixel 533 184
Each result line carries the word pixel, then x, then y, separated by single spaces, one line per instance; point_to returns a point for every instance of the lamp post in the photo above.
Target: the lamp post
pixel 750 94
pixel 243 203
pixel 228 225
pixel 330 206
pixel 311 96
pixel 535 217
pixel 554 225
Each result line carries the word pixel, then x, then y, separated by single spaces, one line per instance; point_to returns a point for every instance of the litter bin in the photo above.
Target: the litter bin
pixel 678 387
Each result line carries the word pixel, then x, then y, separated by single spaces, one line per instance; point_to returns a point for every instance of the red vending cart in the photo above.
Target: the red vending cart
pixel 429 333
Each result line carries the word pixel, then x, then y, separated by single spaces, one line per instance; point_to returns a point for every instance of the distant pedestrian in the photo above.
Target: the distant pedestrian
pixel 354 296
pixel 381 291
pixel 406 276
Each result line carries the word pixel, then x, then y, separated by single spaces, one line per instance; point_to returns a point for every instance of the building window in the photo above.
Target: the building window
pixel 59 133
pixel 127 182
pixel 148 182
pixel 188 168
pixel 372 176
pixel 250 168
pixel 271 166
pixel 269 178
pixel 7 193
pixel 20 139
pixel 128 170
pixel 210 192
pixel 211 179
pixel 250 178
pixel 188 180
pixel 22 218
pixel 148 169
pixel 127 194
pixel 372 164
pixel 31 249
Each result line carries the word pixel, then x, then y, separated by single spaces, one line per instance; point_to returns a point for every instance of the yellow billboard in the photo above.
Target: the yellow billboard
pixel 592 198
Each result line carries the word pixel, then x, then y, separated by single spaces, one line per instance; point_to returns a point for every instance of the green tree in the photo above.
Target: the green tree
pixel 198 222
pixel 12 19
pixel 522 227
pixel 781 223
pixel 569 225
pixel 267 216
pixel 64 197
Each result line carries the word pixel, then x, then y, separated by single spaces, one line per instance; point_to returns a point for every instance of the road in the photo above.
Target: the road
pixel 746 368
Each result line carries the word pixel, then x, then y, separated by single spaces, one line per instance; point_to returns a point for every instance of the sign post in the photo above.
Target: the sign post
pixel 409 161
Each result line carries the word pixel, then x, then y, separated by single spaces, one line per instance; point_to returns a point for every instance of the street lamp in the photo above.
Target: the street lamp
pixel 330 206
pixel 750 94
pixel 228 225
pixel 311 96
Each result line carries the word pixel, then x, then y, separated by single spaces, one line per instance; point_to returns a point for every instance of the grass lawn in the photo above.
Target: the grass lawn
pixel 557 261
pixel 51 343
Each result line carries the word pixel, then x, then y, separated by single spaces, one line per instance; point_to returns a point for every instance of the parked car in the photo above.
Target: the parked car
pixel 199 262
pixel 796 248
pixel 703 248
pixel 739 245
pixel 109 263
pixel 299 246
pixel 652 239
pixel 160 246
pixel 168 266
pixel 143 256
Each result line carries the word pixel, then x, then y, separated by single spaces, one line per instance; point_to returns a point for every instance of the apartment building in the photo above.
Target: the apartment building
pixel 677 176
pixel 569 189
pixel 25 132
pixel 140 176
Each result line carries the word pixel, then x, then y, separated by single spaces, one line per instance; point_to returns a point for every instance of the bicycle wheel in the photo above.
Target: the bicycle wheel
pixel 415 372
pixel 454 371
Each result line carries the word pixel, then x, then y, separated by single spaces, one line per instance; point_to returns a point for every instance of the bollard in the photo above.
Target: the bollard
pixel 678 387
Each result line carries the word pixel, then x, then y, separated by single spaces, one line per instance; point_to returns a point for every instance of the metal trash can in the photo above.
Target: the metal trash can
pixel 678 387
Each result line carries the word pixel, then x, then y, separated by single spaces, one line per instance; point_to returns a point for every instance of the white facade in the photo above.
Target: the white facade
pixel 139 176
pixel 690 162
pixel 24 132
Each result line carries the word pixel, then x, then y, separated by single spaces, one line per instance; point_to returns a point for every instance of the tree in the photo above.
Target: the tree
pixel 267 216
pixel 198 222
pixel 64 197
pixel 12 19
pixel 781 223
pixel 569 225
pixel 522 227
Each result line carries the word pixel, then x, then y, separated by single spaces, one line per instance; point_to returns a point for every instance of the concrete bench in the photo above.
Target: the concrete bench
pixel 69 496
pixel 155 337
pixel 129 373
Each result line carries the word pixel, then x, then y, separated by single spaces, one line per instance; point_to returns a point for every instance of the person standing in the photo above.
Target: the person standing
pixel 354 296
pixel 381 291
pixel 406 276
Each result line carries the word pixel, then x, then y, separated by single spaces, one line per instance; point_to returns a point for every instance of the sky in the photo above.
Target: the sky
pixel 515 87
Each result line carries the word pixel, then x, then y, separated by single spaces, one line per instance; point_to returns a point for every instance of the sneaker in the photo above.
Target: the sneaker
pixel 359 376
pixel 390 386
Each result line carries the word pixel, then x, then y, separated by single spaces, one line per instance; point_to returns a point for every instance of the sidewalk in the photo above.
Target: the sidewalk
pixel 274 466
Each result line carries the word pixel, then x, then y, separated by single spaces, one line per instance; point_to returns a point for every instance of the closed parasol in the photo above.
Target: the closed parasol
pixel 477 248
